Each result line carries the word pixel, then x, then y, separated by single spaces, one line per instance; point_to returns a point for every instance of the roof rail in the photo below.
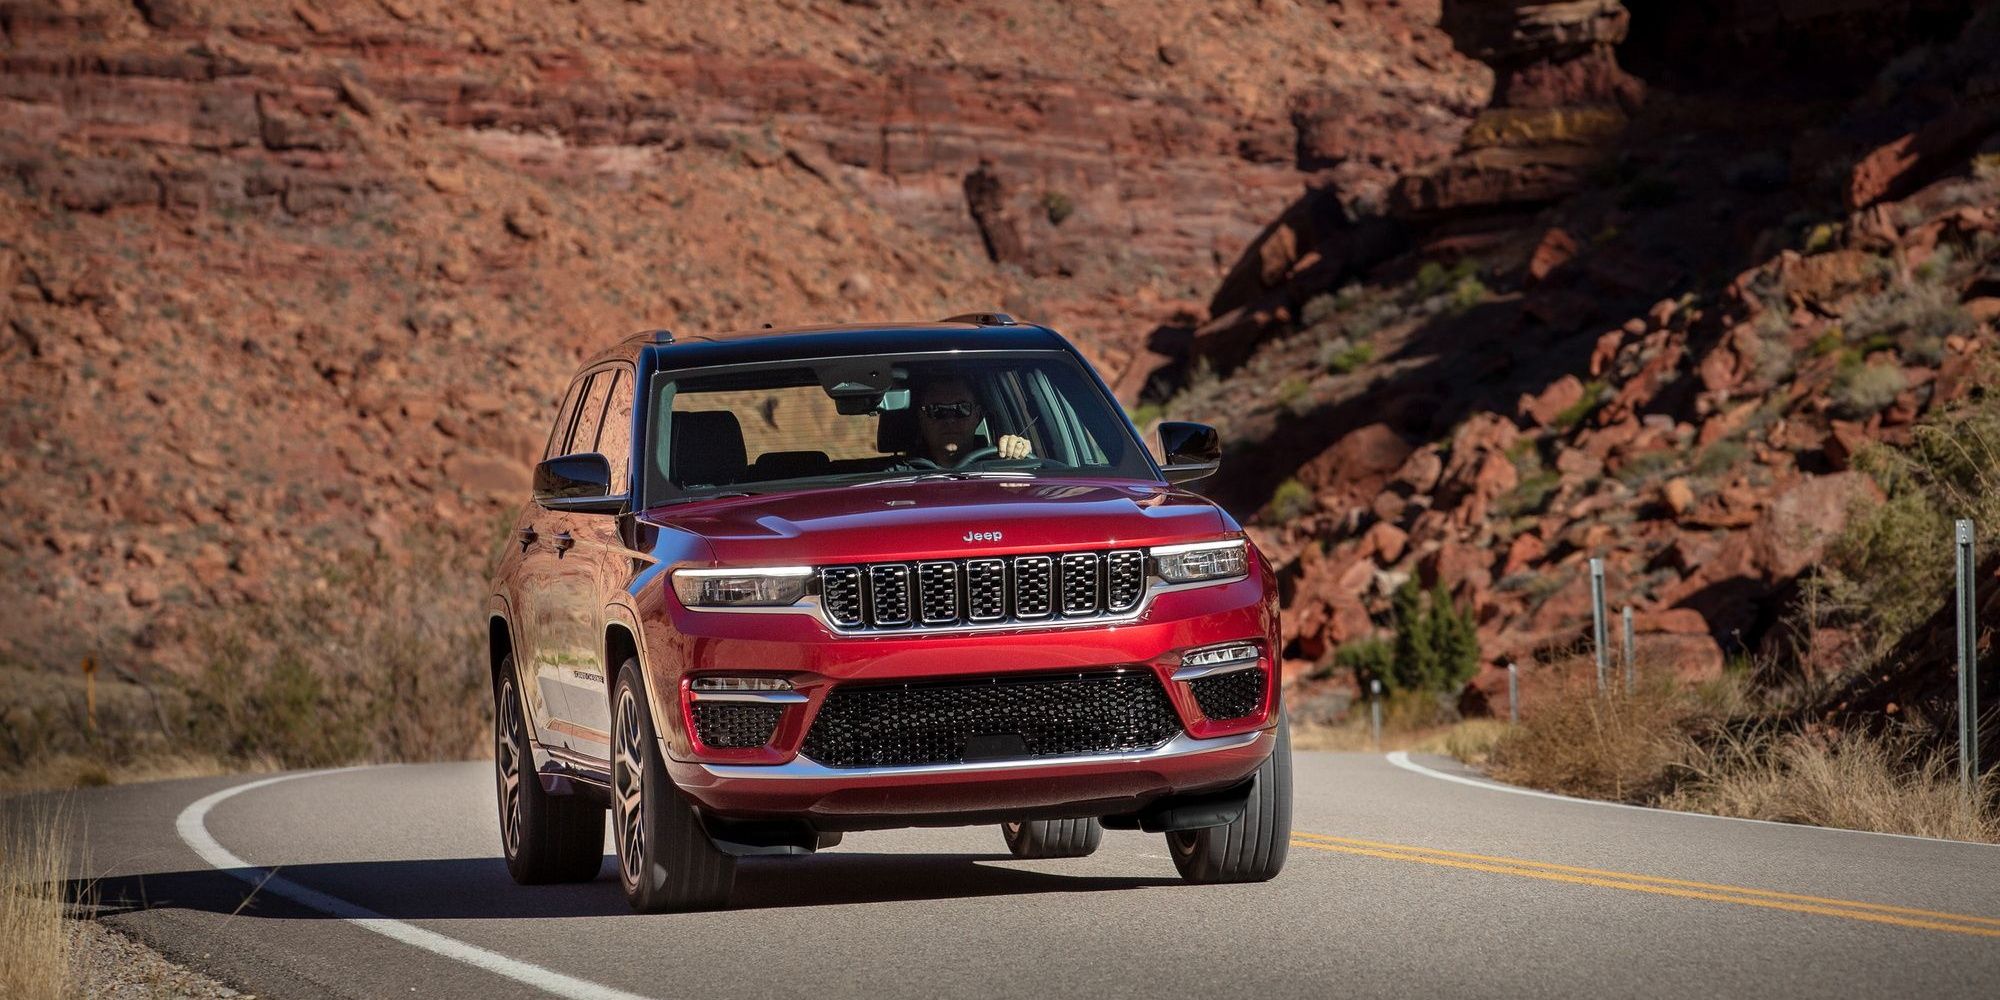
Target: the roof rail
pixel 982 319
pixel 660 336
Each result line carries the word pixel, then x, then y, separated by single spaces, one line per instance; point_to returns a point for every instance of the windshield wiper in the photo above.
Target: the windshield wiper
pixel 949 474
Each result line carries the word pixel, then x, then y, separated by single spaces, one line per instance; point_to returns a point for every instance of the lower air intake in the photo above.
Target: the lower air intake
pixel 991 719
pixel 1230 696
pixel 724 725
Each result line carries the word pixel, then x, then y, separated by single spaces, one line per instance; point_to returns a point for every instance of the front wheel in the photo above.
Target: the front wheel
pixel 547 838
pixel 1252 847
pixel 1053 838
pixel 665 859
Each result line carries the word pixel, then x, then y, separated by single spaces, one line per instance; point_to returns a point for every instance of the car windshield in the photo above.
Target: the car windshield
pixel 764 428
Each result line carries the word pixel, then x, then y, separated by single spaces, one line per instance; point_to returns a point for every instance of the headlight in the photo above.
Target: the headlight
pixel 1201 561
pixel 762 587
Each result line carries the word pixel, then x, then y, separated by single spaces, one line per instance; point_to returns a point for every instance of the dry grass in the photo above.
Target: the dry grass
pixel 1608 747
pixel 1701 749
pixel 38 948
pixel 1846 780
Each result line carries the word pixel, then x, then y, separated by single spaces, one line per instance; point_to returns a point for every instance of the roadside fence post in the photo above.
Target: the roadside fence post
pixel 1631 659
pixel 1375 711
pixel 1968 665
pixel 1513 694
pixel 1597 619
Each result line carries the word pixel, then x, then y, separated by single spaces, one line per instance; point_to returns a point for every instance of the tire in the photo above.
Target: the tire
pixel 1053 838
pixel 1251 849
pixel 665 859
pixel 546 838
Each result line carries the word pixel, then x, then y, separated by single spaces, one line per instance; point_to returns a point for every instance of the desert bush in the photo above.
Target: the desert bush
pixel 1319 310
pixel 1849 780
pixel 1343 356
pixel 1719 457
pixel 1370 659
pixel 1861 390
pixel 1613 746
pixel 1290 501
pixel 1892 563
pixel 1916 316
pixel 38 948
pixel 375 660
pixel 1573 414
pixel 1057 206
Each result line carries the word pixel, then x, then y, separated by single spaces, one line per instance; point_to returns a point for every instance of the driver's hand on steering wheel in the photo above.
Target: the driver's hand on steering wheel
pixel 1013 446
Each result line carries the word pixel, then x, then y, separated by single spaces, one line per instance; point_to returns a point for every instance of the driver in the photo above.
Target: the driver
pixel 948 416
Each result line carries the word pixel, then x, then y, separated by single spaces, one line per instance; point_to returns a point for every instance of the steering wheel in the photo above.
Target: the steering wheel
pixel 975 455
pixel 919 462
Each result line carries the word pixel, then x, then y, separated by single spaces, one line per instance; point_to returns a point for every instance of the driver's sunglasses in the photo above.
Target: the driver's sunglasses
pixel 951 411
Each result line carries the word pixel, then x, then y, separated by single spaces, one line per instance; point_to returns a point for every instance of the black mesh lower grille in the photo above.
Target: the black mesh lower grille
pixel 728 725
pixel 1230 696
pixel 950 722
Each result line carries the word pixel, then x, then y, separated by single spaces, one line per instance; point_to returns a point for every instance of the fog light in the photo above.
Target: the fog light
pixel 767 690
pixel 1199 663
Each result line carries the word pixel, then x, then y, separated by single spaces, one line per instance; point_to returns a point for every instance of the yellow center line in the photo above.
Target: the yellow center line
pixel 1850 904
pixel 1632 884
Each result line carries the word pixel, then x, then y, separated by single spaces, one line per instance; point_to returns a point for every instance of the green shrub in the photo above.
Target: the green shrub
pixel 1528 496
pixel 1437 646
pixel 1057 206
pixel 1370 659
pixel 1289 502
pixel 1862 390
pixel 1291 391
pixel 1467 292
pixel 1573 414
pixel 1914 317
pixel 1319 311
pixel 1346 357
pixel 1719 458
pixel 1892 564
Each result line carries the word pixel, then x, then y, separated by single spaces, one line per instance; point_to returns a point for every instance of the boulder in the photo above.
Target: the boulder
pixel 1795 528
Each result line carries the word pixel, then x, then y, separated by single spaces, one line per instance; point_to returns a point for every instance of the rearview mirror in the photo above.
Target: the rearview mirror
pixel 1193 450
pixel 576 482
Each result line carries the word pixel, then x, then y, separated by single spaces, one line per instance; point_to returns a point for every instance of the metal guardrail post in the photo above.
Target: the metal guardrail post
pixel 1375 711
pixel 1597 619
pixel 1513 694
pixel 1631 657
pixel 1968 665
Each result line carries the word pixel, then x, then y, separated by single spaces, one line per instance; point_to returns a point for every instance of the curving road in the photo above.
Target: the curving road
pixel 1406 878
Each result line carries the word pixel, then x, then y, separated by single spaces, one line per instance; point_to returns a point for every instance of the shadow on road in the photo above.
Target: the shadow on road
pixel 475 888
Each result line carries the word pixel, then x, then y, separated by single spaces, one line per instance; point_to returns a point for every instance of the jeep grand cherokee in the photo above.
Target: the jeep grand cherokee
pixel 777 586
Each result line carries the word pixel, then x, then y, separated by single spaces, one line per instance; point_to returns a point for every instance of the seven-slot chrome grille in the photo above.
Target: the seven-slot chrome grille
pixel 948 593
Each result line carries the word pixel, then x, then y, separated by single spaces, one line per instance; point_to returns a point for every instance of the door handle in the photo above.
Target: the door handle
pixel 562 543
pixel 528 537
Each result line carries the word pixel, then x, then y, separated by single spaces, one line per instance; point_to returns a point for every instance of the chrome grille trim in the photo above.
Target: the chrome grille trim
pixel 1124 580
pixel 937 592
pixel 1034 587
pixel 1080 583
pixel 889 593
pixel 986 591
pixel 840 595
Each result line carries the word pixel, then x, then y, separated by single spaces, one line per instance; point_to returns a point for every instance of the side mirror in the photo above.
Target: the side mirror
pixel 1193 450
pixel 576 482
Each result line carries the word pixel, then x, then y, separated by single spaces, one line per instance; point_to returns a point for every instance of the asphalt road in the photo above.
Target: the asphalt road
pixel 385 882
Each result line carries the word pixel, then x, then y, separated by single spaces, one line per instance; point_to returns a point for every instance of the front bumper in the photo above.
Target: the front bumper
pixel 775 782
pixel 961 794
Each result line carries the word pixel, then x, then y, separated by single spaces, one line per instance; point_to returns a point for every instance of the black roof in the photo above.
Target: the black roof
pixel 796 343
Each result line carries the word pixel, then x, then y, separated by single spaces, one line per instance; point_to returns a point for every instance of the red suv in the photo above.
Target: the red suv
pixel 777 586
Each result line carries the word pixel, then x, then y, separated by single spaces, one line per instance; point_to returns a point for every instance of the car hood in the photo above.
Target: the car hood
pixel 943 518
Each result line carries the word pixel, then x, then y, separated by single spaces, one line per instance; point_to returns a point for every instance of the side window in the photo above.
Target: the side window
pixel 559 436
pixel 614 440
pixel 590 414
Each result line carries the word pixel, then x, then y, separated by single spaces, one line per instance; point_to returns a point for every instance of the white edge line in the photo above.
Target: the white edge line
pixel 1401 759
pixel 193 829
